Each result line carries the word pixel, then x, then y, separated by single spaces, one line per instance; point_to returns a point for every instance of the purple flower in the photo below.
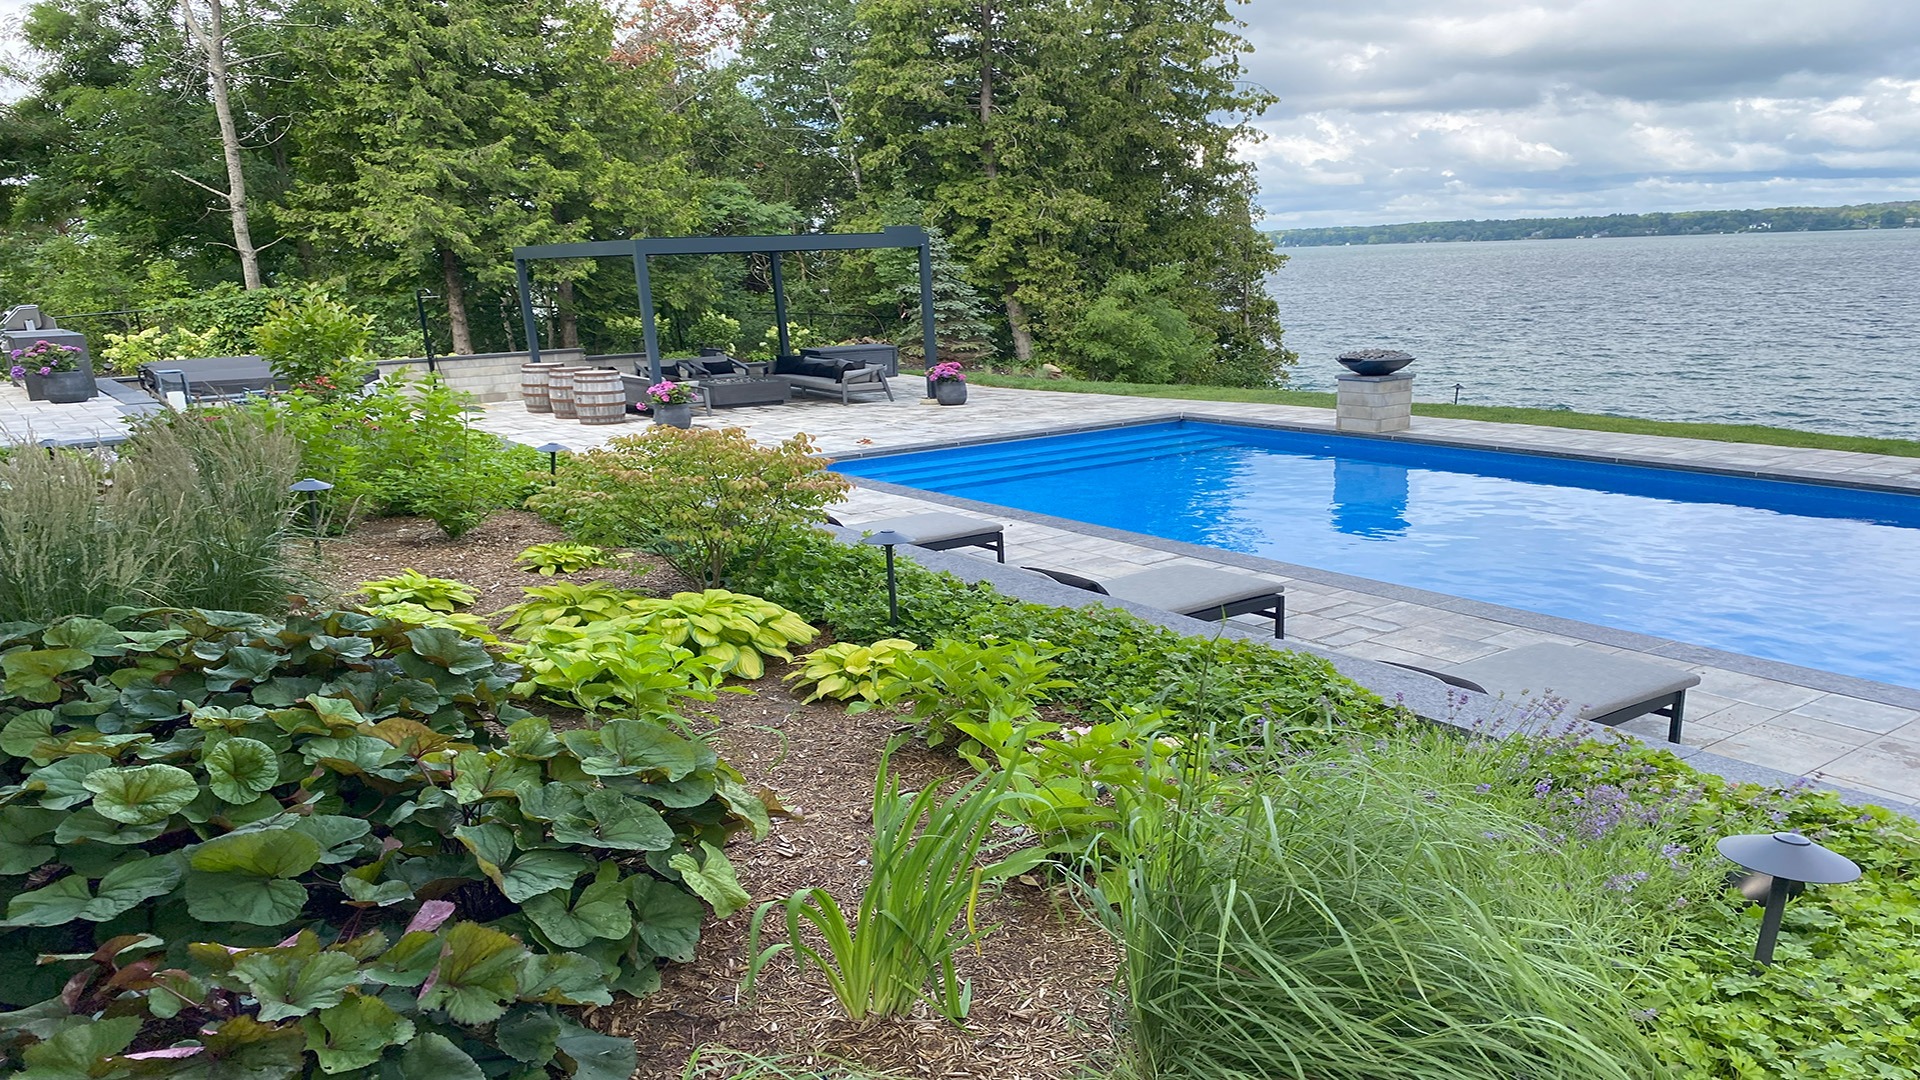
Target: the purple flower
pixel 18 372
pixel 1542 789
pixel 1625 882
pixel 1483 788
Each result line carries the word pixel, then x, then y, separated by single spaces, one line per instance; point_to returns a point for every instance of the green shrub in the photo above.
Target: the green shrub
pixel 710 502
pixel 250 836
pixel 195 511
pixel 316 343
pixel 414 587
pixel 898 949
pixel 404 448
pixel 956 683
pixel 1132 332
pixel 124 353
pixel 563 558
pixel 715 329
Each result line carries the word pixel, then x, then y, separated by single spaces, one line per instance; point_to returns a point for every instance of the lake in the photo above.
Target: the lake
pixel 1816 331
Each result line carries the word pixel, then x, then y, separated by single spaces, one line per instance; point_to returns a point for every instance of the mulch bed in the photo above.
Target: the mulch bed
pixel 1042 982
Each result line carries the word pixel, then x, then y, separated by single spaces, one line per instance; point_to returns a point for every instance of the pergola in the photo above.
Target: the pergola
pixel 640 251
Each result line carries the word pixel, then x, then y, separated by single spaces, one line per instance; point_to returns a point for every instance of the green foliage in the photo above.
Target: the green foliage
pixel 1132 333
pixel 563 558
pixel 715 330
pixel 955 683
pixel 847 670
pixel 734 630
pixel 710 502
pixel 462 623
pixel 199 800
pixel 898 949
pixel 1390 907
pixel 614 667
pixel 194 511
pixel 404 448
pixel 317 343
pixel 123 354
pixel 568 604
pixel 413 587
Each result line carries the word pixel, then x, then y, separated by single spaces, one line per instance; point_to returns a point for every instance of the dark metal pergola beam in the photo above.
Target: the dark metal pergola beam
pixel 774 247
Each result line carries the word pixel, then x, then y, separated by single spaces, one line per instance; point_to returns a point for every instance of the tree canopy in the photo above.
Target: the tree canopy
pixel 1065 151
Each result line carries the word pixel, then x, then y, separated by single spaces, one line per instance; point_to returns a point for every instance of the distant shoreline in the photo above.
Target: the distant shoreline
pixel 1893 215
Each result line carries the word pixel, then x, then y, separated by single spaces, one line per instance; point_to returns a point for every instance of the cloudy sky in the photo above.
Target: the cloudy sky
pixel 1414 110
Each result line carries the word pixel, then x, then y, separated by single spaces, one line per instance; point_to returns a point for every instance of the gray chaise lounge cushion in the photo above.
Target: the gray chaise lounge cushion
pixel 939 531
pixel 1602 687
pixel 1197 592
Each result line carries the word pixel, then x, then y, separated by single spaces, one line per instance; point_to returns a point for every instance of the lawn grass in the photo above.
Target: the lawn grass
pixel 1732 433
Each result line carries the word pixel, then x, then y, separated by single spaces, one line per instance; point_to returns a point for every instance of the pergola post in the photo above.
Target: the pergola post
pixel 524 274
pixel 650 334
pixel 928 336
pixel 780 303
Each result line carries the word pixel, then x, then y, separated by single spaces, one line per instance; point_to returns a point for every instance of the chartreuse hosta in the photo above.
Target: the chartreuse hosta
pixel 414 587
pixel 240 846
pixel 732 631
pixel 563 558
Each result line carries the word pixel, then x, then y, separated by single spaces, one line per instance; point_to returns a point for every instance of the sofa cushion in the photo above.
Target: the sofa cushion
pixel 721 365
pixel 813 367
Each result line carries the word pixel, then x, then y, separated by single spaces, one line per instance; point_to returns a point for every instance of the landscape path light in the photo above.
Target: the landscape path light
pixel 1788 859
pixel 553 450
pixel 889 539
pixel 313 488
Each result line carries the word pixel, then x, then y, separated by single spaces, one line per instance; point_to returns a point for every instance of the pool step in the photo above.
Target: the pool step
pixel 1033 458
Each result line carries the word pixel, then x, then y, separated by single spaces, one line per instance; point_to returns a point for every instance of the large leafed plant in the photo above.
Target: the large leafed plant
pixel 236 846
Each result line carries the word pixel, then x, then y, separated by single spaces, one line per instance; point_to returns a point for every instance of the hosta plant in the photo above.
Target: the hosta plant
pixel 613 667
pixel 231 841
pixel 568 604
pixel 847 670
pixel 955 682
pixel 413 587
pixel 460 622
pixel 563 558
pixel 735 630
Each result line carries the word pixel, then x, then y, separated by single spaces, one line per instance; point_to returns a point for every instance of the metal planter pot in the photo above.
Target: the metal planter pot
pixel 950 392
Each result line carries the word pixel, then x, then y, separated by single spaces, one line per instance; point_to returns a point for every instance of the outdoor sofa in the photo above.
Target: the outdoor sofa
pixel 832 376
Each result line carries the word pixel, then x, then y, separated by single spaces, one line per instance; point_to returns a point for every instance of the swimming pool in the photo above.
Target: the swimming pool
pixel 1824 577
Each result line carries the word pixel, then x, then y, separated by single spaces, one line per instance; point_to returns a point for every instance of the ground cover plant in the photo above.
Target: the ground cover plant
pixel 192 510
pixel 333 840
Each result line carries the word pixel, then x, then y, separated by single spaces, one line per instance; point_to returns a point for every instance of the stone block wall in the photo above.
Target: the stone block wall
pixel 487 376
pixel 1371 404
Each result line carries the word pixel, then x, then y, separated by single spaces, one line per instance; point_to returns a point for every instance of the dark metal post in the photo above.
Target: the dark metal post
pixel 1770 921
pixel 525 274
pixel 553 450
pixel 313 488
pixel 928 333
pixel 780 304
pixel 420 298
pixel 1456 393
pixel 893 593
pixel 643 283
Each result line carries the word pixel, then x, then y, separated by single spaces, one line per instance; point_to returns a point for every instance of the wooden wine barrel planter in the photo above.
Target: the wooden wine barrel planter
pixel 533 386
pixel 599 396
pixel 560 393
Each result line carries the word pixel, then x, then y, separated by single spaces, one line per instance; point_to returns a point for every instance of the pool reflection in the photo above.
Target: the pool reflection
pixel 1369 498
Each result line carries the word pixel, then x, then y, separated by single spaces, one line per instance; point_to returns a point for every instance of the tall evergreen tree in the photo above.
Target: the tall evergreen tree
pixel 444 134
pixel 1060 143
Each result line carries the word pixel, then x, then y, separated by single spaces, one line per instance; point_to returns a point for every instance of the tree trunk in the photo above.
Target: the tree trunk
pixel 211 36
pixel 456 294
pixel 569 318
pixel 987 163
pixel 1017 324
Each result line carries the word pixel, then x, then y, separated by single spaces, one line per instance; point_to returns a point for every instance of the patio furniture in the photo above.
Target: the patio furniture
pixel 1197 592
pixel 834 378
pixel 941 531
pixel 1604 688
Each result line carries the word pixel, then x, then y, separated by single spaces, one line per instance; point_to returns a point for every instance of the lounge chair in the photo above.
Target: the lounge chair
pixel 1604 688
pixel 1194 591
pixel 941 531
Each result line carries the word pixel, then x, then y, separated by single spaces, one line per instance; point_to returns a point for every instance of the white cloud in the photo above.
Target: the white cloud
pixel 1464 108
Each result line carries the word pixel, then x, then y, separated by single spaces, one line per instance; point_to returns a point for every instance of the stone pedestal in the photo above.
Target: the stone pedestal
pixel 1375 403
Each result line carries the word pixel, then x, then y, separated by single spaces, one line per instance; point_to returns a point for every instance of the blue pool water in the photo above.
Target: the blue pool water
pixel 1823 577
